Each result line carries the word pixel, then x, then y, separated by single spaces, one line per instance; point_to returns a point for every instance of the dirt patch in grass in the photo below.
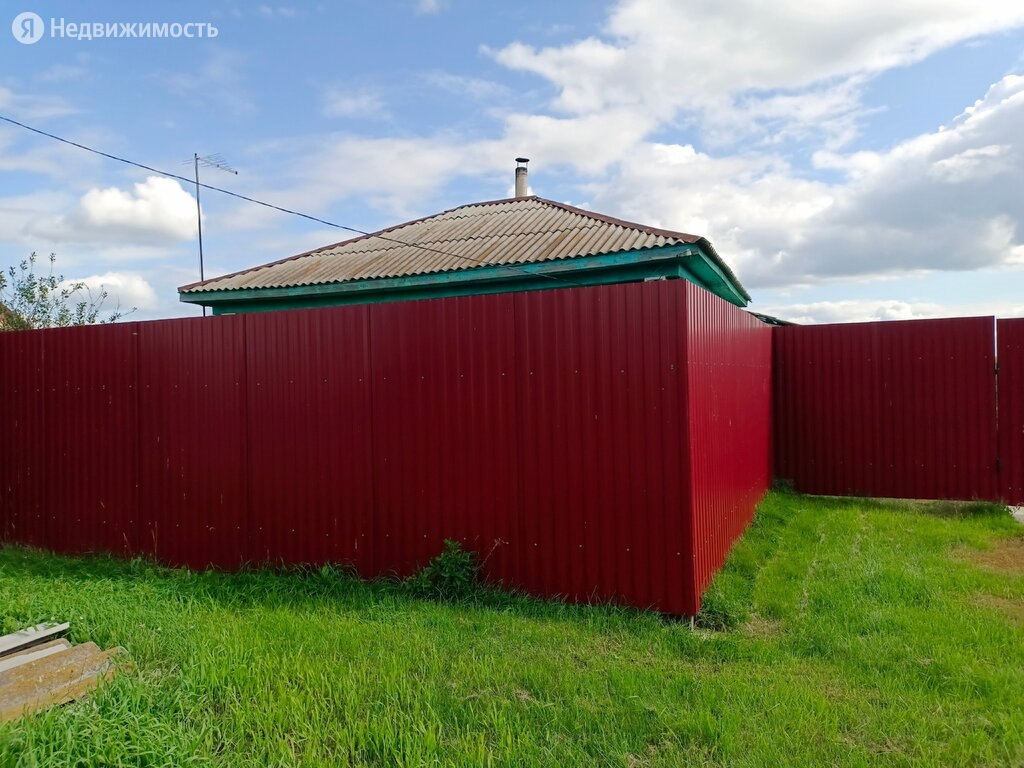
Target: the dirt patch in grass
pixel 1007 556
pixel 761 627
pixel 524 696
pixel 1013 608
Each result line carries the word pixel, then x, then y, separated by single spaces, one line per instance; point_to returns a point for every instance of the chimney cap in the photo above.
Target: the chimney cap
pixel 522 160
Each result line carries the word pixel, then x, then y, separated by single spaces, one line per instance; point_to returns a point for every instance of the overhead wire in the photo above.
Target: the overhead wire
pixel 282 209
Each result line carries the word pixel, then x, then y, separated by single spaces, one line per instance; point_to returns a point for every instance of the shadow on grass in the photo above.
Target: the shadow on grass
pixel 938 508
pixel 726 604
pixel 302 587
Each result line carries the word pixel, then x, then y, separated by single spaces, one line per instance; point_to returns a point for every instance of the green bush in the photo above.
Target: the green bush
pixel 451 575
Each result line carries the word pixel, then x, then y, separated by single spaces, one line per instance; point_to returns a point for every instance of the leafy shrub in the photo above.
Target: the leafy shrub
pixel 451 575
pixel 29 299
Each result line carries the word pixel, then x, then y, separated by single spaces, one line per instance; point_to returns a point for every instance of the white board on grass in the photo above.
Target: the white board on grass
pixel 25 638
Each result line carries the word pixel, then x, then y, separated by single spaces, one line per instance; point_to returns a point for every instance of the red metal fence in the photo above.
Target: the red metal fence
pixel 730 422
pixel 901 409
pixel 603 443
pixel 1010 334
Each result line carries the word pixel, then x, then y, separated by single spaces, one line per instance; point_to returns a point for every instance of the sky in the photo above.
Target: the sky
pixel 851 160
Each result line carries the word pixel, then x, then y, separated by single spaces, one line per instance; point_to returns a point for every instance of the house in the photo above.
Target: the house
pixel 516 244
pixel 603 445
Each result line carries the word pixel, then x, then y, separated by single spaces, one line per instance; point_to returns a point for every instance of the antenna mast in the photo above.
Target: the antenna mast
pixel 212 161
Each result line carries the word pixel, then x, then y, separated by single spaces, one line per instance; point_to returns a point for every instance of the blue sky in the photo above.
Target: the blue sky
pixel 850 160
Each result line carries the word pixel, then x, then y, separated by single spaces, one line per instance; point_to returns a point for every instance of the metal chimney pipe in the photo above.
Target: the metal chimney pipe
pixel 521 185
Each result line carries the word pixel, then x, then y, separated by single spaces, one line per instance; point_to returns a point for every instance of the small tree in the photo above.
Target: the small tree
pixel 49 301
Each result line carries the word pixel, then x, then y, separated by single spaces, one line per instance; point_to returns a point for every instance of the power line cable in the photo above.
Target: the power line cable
pixel 282 209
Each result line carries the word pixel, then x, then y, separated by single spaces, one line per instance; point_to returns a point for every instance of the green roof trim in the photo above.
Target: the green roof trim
pixel 693 262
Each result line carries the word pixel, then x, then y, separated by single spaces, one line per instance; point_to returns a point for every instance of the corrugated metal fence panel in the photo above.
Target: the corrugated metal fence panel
pixel 895 409
pixel 193 440
pixel 1010 334
pixel 444 441
pixel 546 430
pixel 602 485
pixel 90 420
pixel 22 441
pixel 310 469
pixel 729 406
pixel 825 396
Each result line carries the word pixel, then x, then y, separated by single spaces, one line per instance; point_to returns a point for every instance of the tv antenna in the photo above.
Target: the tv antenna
pixel 208 161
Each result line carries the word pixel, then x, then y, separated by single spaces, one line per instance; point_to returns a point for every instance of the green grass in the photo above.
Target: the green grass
pixel 859 633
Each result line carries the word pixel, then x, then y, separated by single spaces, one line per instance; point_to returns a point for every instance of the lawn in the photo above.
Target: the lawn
pixel 848 633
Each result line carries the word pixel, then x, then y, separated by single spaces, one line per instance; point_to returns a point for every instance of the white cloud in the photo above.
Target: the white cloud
pixel 853 311
pixel 748 59
pixel 402 174
pixel 763 74
pixel 34 107
pixel 783 71
pixel 353 104
pixel 282 12
pixel 125 290
pixel 869 310
pixel 754 207
pixel 19 152
pixel 393 174
pixel 429 7
pixel 474 87
pixel 157 211
pixel 590 144
pixel 62 73
pixel 941 201
pixel 831 111
pixel 973 163
pixel 217 83
pixel 944 200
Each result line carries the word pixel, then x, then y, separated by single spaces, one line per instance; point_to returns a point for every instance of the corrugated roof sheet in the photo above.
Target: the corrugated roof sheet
pixel 513 231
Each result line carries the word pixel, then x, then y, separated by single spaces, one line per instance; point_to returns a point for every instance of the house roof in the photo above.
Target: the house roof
pixel 499 232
